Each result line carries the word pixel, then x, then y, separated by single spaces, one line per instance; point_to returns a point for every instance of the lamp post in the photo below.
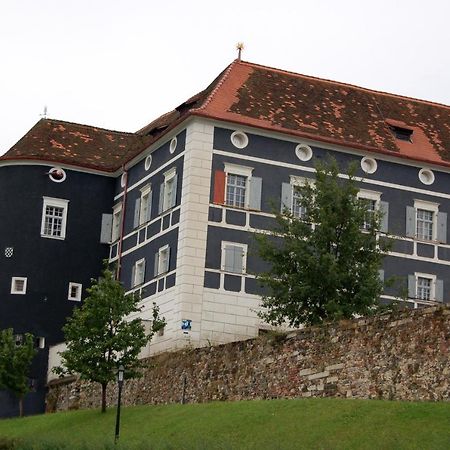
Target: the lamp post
pixel 120 372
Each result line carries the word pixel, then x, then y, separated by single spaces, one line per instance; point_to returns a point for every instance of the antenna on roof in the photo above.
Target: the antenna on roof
pixel 44 114
pixel 239 48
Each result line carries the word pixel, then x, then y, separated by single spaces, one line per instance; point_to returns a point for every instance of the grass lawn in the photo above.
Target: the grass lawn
pixel 262 425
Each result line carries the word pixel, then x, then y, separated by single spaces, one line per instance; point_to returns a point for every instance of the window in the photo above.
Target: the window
pixel 424 224
pixel 234 257
pixel 298 210
pixel 162 260
pixel 144 206
pixel 403 134
pixel 75 290
pixel 371 201
pixel 18 285
pixel 237 185
pixel 423 221
pixel 116 222
pixel 54 217
pixel 168 191
pixel 39 342
pixel 424 286
pixel 138 275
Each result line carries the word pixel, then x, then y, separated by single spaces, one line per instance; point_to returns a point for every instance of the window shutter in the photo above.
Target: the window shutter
pixel 133 275
pixel 106 230
pixel 442 227
pixel 229 258
pixel 238 257
pixel 439 291
pixel 219 187
pixel 381 275
pixel 255 193
pixel 173 200
pixel 411 286
pixel 384 211
pixel 410 221
pixel 143 271
pixel 137 206
pixel 166 268
pixel 155 271
pixel 286 197
pixel 149 206
pixel 161 199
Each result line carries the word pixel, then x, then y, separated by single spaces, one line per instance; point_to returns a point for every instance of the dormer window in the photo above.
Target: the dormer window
pixel 403 134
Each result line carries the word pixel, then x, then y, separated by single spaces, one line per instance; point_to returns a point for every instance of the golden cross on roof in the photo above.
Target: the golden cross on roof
pixel 239 48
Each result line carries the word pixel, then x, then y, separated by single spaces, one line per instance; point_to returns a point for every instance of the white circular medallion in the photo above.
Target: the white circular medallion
pixel 148 162
pixel 239 139
pixel 368 165
pixel 173 145
pixel 57 174
pixel 426 176
pixel 303 152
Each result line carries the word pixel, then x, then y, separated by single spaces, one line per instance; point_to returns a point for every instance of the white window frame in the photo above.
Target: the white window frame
pixel 244 171
pixel 426 206
pixel 433 279
pixel 169 177
pixel 116 222
pixel 56 203
pixel 162 267
pixel 136 281
pixel 295 182
pixel 244 248
pixel 146 191
pixel 13 285
pixel 79 288
pixel 365 194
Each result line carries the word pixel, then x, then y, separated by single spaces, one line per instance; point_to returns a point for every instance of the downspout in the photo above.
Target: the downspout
pixel 122 225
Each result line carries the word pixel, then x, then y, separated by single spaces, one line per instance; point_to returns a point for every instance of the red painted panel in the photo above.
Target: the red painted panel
pixel 219 187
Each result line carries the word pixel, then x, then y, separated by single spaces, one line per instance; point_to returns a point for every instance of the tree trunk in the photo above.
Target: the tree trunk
pixel 21 406
pixel 104 397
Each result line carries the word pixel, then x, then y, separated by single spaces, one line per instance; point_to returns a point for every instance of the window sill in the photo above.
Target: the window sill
pixel 57 238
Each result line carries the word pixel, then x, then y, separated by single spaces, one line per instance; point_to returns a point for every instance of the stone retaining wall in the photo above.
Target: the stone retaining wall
pixel 401 356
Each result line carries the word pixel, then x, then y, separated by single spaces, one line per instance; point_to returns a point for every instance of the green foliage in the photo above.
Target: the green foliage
pixel 271 424
pixel 15 361
pixel 100 337
pixel 323 266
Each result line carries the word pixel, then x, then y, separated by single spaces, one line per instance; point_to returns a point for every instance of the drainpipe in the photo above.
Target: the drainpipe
pixel 122 225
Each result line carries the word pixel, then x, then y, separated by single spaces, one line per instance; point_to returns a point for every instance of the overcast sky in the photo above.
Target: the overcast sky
pixel 119 64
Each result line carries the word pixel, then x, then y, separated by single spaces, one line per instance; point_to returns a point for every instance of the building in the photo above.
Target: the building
pixel 175 204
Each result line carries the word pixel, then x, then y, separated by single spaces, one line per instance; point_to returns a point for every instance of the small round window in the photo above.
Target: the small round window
pixel 173 145
pixel 303 152
pixel 426 176
pixel 368 165
pixel 123 179
pixel 57 174
pixel 148 162
pixel 239 139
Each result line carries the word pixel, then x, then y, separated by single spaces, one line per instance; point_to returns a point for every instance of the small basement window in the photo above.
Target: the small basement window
pixel 75 292
pixel 403 134
pixel 18 285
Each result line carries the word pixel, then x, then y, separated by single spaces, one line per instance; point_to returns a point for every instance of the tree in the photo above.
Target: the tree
pixel 99 337
pixel 15 362
pixel 324 260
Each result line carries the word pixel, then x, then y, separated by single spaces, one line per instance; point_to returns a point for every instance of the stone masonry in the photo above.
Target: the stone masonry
pixel 399 356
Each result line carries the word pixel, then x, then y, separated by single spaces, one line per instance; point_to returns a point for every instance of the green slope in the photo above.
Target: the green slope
pixel 275 424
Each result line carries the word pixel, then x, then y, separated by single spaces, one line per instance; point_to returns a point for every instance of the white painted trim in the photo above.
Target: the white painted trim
pixel 57 203
pixel 428 206
pixel 79 287
pixel 147 177
pixel 116 222
pixel 137 282
pixel 428 276
pixel 244 256
pixel 13 285
pixel 237 169
pixel 344 176
pixel 369 195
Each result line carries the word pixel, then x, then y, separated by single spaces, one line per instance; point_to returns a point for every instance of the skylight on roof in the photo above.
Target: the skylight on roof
pixel 403 134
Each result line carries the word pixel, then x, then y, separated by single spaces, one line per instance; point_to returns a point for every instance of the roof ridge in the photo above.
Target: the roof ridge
pixel 220 82
pixel 91 126
pixel 341 83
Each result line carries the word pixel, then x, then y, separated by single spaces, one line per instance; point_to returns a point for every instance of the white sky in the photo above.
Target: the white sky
pixel 119 64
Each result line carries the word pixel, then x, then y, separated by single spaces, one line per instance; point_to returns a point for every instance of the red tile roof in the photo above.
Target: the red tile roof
pixel 330 111
pixel 267 98
pixel 78 145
